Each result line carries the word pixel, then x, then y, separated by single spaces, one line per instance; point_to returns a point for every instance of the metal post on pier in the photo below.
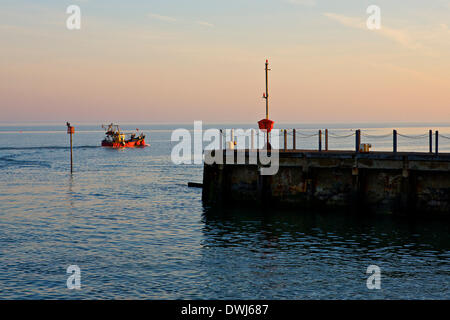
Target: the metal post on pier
pixel 293 139
pixel 267 99
pixel 265 135
pixel 252 146
pixel 326 139
pixel 285 139
pixel 430 133
pixel 394 140
pixel 320 140
pixel 357 140
pixel 267 89
pixel 221 140
pixel 436 148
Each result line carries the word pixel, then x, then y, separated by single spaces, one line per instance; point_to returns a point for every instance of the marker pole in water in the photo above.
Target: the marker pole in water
pixel 70 131
pixel 71 155
pixel 267 97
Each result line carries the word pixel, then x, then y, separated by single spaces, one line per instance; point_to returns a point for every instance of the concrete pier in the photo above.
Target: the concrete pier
pixel 379 182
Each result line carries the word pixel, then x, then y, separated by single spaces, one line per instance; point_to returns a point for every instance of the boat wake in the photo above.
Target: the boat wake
pixel 48 148
pixel 8 161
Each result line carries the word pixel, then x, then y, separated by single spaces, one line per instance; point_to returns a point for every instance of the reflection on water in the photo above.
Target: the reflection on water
pixel 307 256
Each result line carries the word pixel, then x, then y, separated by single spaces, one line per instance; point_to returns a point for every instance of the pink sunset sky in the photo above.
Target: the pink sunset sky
pixel 170 61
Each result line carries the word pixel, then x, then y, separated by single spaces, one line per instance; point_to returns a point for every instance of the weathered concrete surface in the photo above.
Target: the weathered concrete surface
pixel 408 183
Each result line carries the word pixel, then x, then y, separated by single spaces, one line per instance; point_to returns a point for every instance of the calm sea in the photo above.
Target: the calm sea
pixel 127 219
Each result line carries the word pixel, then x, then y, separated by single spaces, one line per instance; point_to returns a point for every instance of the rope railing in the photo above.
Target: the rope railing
pixel 293 139
pixel 443 136
pixel 420 136
pixel 307 135
pixel 379 136
pixel 341 136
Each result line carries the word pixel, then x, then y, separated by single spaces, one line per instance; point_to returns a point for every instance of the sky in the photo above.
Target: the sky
pixel 183 60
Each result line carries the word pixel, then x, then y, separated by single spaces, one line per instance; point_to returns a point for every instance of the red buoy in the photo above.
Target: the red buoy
pixel 266 124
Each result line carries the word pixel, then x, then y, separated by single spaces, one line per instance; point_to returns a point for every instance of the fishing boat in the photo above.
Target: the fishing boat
pixel 115 138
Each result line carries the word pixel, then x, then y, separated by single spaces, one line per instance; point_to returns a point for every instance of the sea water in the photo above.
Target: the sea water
pixel 128 220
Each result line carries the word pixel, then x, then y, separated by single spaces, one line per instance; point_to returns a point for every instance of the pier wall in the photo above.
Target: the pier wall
pixel 381 182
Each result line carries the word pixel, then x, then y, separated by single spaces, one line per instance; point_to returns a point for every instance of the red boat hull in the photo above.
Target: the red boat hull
pixel 126 144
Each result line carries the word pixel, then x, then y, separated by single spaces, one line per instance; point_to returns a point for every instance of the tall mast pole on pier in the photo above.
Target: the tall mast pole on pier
pixel 267 89
pixel 266 124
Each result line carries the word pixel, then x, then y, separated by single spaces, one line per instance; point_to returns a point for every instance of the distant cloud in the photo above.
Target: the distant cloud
pixel 204 23
pixel 172 19
pixel 444 26
pixel 400 36
pixel 308 3
pixel 162 18
pixel 347 21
